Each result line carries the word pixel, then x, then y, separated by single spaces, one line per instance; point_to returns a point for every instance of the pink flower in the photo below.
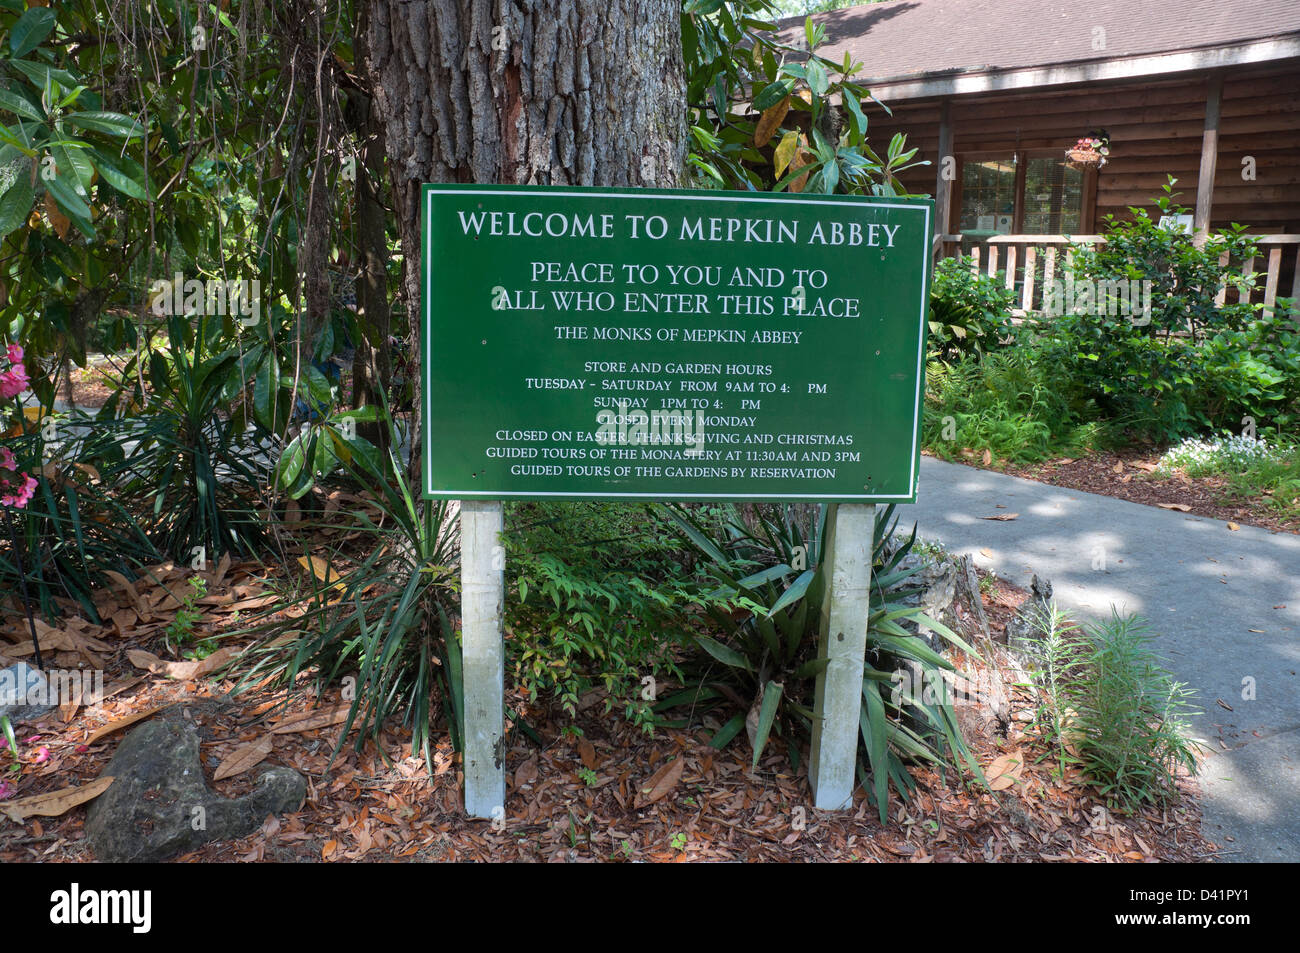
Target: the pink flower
pixel 14 381
pixel 7 790
pixel 7 460
pixel 32 740
pixel 42 755
pixel 15 353
pixel 19 498
pixel 83 749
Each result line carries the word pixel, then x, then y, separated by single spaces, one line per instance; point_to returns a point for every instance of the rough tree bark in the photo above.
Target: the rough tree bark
pixel 542 92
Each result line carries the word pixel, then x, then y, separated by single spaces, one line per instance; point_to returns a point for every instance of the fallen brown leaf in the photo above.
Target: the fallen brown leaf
pixel 1005 771
pixel 122 723
pixel 526 773
pixel 1233 527
pixel 1180 507
pixel 182 671
pixel 244 757
pixel 308 721
pixel 55 803
pixel 1001 517
pixel 659 783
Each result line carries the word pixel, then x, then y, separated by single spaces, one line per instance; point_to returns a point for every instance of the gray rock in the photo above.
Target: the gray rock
pixel 1026 627
pixel 159 804
pixel 24 693
pixel 936 589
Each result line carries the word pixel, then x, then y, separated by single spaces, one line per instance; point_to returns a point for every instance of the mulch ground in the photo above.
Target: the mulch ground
pixel 609 793
pixel 1129 475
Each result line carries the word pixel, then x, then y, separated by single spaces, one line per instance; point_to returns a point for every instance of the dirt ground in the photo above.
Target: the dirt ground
pixel 606 793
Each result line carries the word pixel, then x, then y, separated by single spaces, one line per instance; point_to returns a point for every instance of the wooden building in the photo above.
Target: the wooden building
pixel 994 93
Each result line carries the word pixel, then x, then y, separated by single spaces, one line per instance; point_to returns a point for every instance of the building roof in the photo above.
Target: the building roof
pixel 901 39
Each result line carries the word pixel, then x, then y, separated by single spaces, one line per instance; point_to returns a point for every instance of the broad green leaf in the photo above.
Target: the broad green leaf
pixel 19 106
pixel 109 123
pixel 772 94
pixel 724 654
pixel 40 75
pixel 74 167
pixel 72 204
pixel 818 81
pixel 16 204
pixel 31 30
pixel 766 715
pixel 118 177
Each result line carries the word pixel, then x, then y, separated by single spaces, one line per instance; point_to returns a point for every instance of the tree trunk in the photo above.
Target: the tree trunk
pixel 540 92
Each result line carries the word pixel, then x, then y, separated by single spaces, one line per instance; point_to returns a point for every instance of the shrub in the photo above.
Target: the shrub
pixel 382 616
pixel 764 660
pixel 1143 368
pixel 1252 372
pixel 969 313
pixel 600 601
pixel 1018 403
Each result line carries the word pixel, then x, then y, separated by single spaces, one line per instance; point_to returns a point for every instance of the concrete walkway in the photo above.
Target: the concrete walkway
pixel 1224 605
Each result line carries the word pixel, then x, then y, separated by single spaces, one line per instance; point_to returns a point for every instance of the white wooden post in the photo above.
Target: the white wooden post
pixel 482 575
pixel 850 528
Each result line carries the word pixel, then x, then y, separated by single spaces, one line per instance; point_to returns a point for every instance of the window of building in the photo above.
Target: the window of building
pixel 1020 194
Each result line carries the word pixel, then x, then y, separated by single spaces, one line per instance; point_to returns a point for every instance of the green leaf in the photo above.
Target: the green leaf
pixel 818 81
pixel 772 94
pixel 72 204
pixel 766 715
pixel 16 204
pixel 727 732
pixel 74 166
pixel 109 123
pixel 31 30
pixel 724 654
pixel 19 106
pixel 40 74
pixel 120 178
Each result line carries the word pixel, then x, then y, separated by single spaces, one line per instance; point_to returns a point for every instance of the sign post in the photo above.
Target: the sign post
pixel 483 654
pixel 850 529
pixel 671 345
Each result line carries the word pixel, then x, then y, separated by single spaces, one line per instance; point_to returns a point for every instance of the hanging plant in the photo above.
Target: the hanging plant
pixel 1090 152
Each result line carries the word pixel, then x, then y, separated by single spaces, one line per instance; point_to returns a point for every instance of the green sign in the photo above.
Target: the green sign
pixel 647 344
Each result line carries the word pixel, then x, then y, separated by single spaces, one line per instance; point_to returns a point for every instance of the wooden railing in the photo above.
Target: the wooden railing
pixel 1019 257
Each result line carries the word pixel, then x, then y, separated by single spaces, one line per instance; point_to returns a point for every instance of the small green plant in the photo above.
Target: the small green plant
pixel 601 598
pixel 1110 708
pixel 1055 657
pixel 588 777
pixel 1132 717
pixel 678 841
pixel 180 632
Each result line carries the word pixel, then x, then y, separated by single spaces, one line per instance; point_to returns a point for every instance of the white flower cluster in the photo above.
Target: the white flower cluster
pixel 1236 452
